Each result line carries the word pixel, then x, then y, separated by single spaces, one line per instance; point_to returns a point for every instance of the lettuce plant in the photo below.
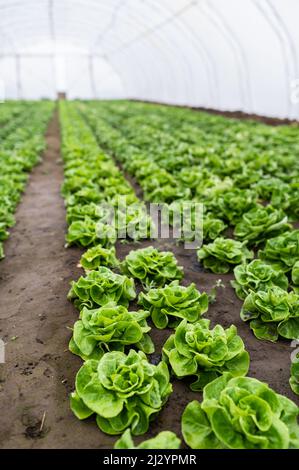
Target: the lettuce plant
pixel 220 255
pixel 96 212
pixel 294 379
pixel 167 305
pixel 257 275
pixel 109 328
pixel 283 251
pixel 152 267
pixel 261 223
pixel 98 256
pixel 232 204
pixel 240 413
pixel 196 350
pixel 163 440
pixel 272 313
pixel 295 274
pixel 125 391
pixel 89 232
pixel 101 287
pixel 133 221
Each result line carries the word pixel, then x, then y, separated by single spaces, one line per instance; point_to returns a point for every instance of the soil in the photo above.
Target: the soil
pixel 35 318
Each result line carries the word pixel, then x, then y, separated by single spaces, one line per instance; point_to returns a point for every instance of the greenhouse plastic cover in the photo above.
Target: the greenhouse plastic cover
pixel 223 54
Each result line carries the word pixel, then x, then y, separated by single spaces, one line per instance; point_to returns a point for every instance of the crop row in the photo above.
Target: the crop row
pixel 20 150
pixel 117 383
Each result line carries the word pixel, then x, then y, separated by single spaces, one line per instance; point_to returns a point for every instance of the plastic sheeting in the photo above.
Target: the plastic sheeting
pixel 223 54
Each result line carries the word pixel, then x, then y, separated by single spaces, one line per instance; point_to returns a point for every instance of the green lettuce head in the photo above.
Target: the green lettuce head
pixel 171 303
pixel 212 227
pixel 272 313
pixel 124 391
pixel 153 268
pixel 221 255
pixel 261 223
pixel 257 275
pixel 101 287
pixel 240 413
pixel 294 379
pixel 109 328
pixel 232 204
pixel 196 350
pixel 163 440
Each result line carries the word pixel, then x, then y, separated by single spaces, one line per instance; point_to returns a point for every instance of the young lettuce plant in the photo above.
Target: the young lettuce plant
pixel 196 350
pixel 222 254
pixel 240 413
pixel 98 256
pixel 261 223
pixel 163 440
pixel 153 268
pixel 97 212
pixel 255 276
pixel 173 302
pixel 295 276
pixel 282 251
pixel 272 313
pixel 125 391
pixel 110 328
pixel 98 288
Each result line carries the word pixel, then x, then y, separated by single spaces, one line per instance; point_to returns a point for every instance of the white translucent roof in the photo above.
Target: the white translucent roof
pixel 224 54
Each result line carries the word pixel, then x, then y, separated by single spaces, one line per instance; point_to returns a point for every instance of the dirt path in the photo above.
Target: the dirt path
pixel 34 318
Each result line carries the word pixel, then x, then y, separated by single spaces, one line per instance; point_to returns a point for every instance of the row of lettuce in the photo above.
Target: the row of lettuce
pixel 117 382
pixel 22 129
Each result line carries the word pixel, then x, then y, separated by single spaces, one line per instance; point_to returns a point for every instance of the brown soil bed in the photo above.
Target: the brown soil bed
pixel 35 316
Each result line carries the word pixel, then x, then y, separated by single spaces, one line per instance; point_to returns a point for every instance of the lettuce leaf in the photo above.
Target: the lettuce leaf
pixel 255 276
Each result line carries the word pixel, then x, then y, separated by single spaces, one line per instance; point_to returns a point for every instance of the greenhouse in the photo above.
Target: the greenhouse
pixel 149 227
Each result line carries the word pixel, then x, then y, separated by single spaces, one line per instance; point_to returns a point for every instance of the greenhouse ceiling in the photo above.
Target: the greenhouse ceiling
pixel 223 54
